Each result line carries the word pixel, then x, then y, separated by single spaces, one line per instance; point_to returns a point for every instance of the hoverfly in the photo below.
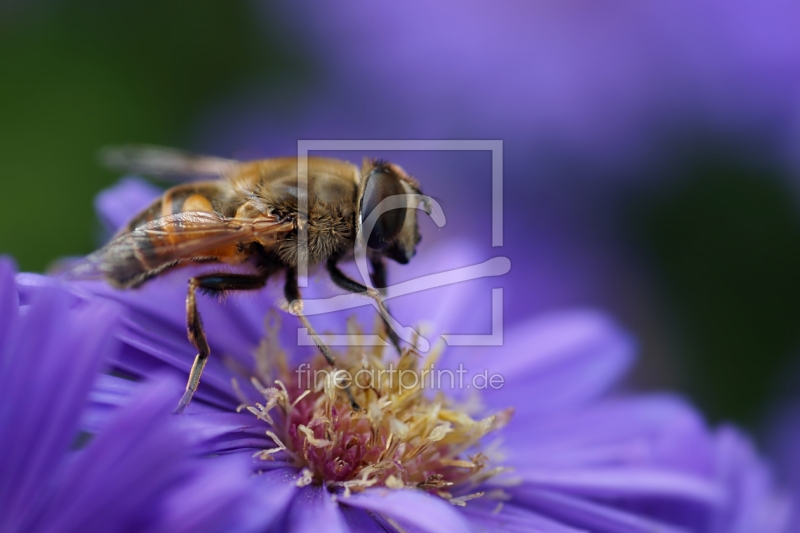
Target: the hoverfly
pixel 250 215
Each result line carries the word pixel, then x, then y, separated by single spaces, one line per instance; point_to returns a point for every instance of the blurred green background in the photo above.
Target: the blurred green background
pixel 83 74
pixel 722 244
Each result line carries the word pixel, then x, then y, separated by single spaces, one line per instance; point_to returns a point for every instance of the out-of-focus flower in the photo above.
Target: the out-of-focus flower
pixel 598 84
pixel 784 436
pixel 572 457
pixel 137 474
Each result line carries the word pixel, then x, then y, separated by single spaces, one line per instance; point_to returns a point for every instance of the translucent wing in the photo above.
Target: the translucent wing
pixel 134 256
pixel 164 162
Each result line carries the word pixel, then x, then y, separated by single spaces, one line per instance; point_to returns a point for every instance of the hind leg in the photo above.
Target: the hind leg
pixel 213 284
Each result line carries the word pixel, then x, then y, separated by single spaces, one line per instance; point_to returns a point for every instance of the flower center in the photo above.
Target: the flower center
pixel 401 435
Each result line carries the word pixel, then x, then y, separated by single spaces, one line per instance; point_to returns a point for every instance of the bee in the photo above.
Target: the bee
pixel 251 214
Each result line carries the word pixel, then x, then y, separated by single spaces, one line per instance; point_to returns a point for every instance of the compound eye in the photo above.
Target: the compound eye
pixel 381 185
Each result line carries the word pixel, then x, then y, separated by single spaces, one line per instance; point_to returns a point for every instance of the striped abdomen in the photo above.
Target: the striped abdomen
pixel 207 196
pixel 188 222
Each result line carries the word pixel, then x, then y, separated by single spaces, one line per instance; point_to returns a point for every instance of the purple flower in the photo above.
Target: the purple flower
pixel 574 456
pixel 784 437
pixel 137 474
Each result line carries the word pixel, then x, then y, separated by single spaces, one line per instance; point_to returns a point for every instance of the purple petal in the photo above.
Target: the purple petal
pixel 126 469
pixel 639 430
pixel 488 515
pixel 784 439
pixel 555 361
pixel 221 432
pixel 154 332
pixel 430 513
pixel 9 300
pixel 618 483
pixel 108 393
pixel 219 487
pixel 314 509
pixel 125 477
pixel 361 521
pixel 43 416
pixel 754 504
pixel 28 285
pixel 596 517
pixel 269 496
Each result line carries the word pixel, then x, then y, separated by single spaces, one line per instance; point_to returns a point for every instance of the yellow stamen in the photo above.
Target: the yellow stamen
pixel 402 437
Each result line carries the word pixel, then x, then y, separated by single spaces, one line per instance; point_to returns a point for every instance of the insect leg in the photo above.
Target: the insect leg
pixel 221 283
pixel 292 293
pixel 379 279
pixel 209 283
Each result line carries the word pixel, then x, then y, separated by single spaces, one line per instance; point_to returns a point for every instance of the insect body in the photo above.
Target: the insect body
pixel 251 215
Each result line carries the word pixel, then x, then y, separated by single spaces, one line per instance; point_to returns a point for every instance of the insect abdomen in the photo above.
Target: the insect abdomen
pixel 135 261
pixel 139 255
pixel 201 196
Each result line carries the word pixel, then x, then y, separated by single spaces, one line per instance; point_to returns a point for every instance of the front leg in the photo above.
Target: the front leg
pixel 378 277
pixel 378 274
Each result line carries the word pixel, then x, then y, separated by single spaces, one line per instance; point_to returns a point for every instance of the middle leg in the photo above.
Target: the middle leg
pixel 292 293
